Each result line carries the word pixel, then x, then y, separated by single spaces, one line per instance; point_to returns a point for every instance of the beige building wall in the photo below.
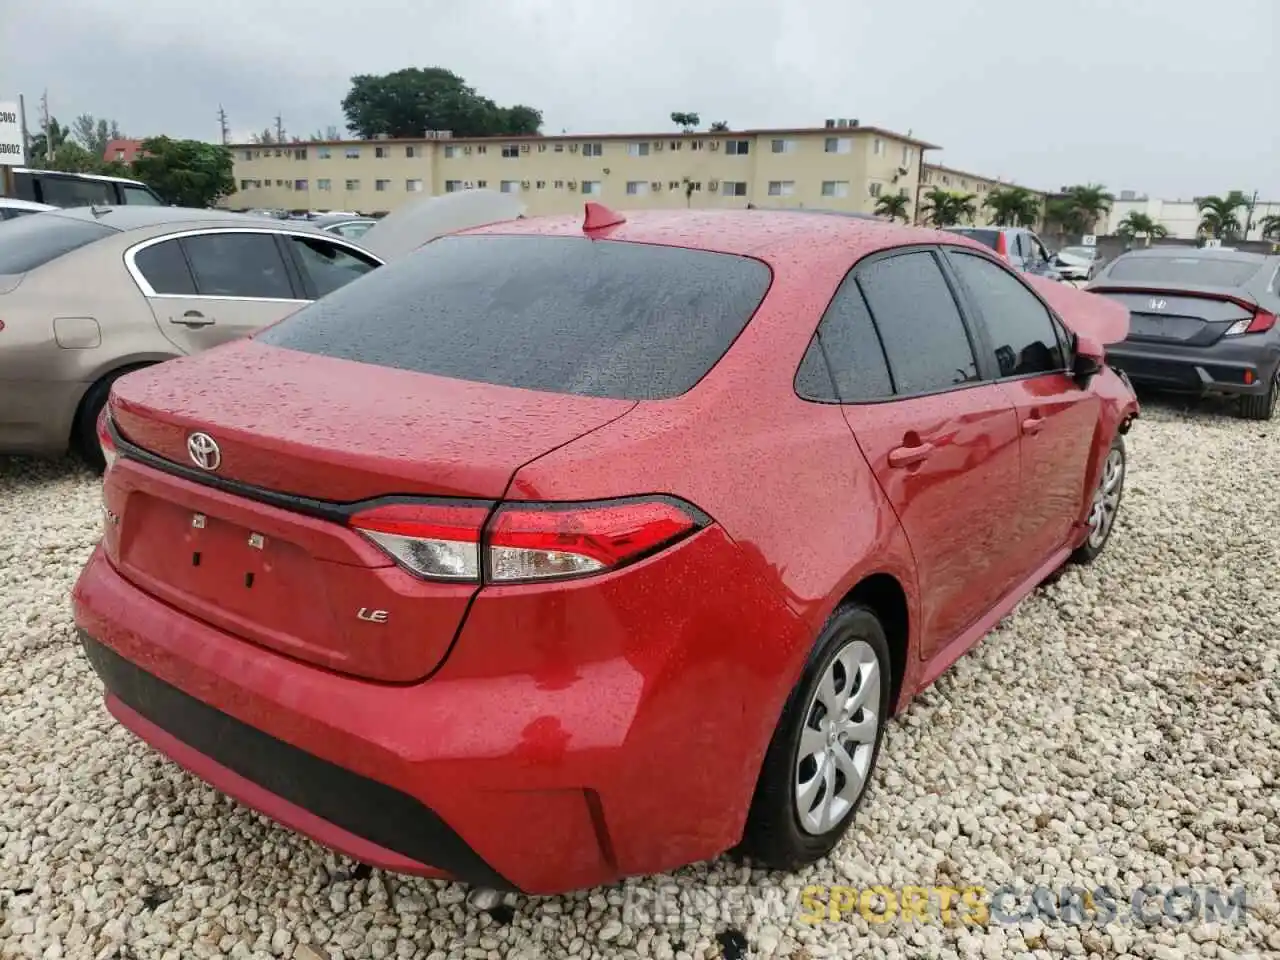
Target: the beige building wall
pixel 844 168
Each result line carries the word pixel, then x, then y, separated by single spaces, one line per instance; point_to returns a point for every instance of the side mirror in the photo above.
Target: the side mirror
pixel 1086 360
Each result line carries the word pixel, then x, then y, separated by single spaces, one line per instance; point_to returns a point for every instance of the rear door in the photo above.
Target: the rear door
pixel 942 442
pixel 1056 419
pixel 210 287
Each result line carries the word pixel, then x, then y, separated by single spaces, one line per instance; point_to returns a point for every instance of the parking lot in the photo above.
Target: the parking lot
pixel 1121 729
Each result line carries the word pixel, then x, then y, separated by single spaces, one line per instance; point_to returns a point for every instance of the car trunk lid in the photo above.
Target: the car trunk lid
pixel 1194 319
pixel 259 545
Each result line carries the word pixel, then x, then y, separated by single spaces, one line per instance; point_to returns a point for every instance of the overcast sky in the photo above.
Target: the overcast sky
pixel 1172 97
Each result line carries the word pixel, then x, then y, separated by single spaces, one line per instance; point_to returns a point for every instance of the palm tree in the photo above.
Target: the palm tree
pixel 1062 214
pixel 46 143
pixel 1136 223
pixel 945 209
pixel 1089 201
pixel 1013 207
pixel 893 206
pixel 1218 214
pixel 1270 226
pixel 686 121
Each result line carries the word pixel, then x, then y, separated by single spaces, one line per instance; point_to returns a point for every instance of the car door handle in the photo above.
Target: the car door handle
pixel 192 318
pixel 1032 424
pixel 906 456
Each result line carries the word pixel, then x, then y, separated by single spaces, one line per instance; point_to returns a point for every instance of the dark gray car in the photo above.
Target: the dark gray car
pixel 1202 321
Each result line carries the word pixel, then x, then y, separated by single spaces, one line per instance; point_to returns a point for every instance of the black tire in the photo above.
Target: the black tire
pixel 1262 406
pixel 774 837
pixel 1092 548
pixel 84 431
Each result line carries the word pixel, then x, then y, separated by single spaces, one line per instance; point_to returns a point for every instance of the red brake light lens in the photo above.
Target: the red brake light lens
pixel 1262 322
pixel 1002 245
pixel 433 539
pixel 109 452
pixel 553 541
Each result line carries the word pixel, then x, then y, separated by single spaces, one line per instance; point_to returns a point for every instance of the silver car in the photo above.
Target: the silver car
pixel 89 294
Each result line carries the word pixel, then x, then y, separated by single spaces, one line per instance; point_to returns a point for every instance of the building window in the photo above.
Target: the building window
pixel 452 186
pixel 559 184
pixel 591 188
pixel 509 186
pixel 542 184
pixel 835 188
pixel 300 185
pixel 412 152
pixel 323 153
pixel 413 186
pixel 279 152
pixel 838 145
pixel 737 148
pixel 781 188
pixel 353 153
pixel 675 145
pixel 673 185
pixel 593 149
pixel 482 184
pixel 784 146
pixel 696 145
pixel 510 151
pixel 247 154
pixel 638 149
pixel 450 152
pixel 279 183
pixel 353 184
pixel 637 188
pixel 733 188
pixel 482 149
pixel 874 188
pixel 964 184
pixel 877 147
pixel 382 186
pixel 300 153
pixel 559 148
pixel 244 184
pixel 946 181
pixel 324 184
pixel 381 153
pixel 542 148
pixel 908 154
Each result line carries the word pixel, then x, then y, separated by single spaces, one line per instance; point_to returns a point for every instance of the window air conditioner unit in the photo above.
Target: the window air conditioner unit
pixel 713 185
pixel 573 184
pixel 524 184
pixel 715 144
pixel 467 185
pixel 467 151
pixel 656 185
pixel 524 148
pixel 573 148
pixel 657 144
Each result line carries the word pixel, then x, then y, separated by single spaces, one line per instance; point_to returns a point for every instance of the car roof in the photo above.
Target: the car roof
pixel 766 234
pixel 1207 253
pixel 329 219
pixel 80 176
pixel 15 204
pixel 145 217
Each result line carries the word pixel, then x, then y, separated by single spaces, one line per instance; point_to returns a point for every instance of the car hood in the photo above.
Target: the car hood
pixel 1087 314
pixel 421 221
pixel 1074 260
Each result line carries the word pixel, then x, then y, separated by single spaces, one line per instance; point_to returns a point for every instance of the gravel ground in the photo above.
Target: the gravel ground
pixel 1123 728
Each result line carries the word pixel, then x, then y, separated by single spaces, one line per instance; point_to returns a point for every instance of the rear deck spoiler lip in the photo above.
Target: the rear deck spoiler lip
pixel 1234 294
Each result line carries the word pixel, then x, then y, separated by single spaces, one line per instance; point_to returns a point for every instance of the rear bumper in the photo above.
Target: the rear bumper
pixel 1233 367
pixel 36 416
pixel 523 763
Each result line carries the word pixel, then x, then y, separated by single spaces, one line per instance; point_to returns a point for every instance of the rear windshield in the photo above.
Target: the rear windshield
pixel 561 314
pixel 30 242
pixel 988 238
pixel 1193 271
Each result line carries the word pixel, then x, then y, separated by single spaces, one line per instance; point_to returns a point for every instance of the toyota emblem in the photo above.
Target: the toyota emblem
pixel 204 452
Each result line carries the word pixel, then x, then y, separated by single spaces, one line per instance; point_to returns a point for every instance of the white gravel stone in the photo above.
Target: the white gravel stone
pixel 1121 728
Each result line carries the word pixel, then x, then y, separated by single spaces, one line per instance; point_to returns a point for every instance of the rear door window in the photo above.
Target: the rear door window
pixel 31 242
pixel 562 314
pixel 238 265
pixel 1021 331
pixel 924 336
pixel 75 192
pixel 327 266
pixel 165 269
pixel 846 361
pixel 139 196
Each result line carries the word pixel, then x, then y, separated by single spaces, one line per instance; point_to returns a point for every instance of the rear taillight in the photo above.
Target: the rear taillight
pixel 1260 322
pixel 109 452
pixel 525 542
pixel 1002 245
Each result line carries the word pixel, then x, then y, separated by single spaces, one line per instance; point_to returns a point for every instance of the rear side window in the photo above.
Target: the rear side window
pixel 165 269
pixel 988 238
pixel 1021 331
pixel 327 265
pixel 560 314
pixel 238 265
pixel 919 323
pixel 74 192
pixel 1194 271
pixel 845 361
pixel 139 196
pixel 31 242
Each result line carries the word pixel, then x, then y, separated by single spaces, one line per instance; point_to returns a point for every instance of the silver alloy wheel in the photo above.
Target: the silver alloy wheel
pixel 1106 499
pixel 838 738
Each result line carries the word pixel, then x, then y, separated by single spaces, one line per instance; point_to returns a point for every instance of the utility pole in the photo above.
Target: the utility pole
pixel 279 129
pixel 1248 217
pixel 222 123
pixel 22 121
pixel 44 125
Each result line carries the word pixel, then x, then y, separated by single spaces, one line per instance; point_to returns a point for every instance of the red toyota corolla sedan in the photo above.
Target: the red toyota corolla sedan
pixel 569 549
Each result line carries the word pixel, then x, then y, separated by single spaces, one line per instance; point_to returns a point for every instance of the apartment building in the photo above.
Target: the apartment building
pixel 934 175
pixel 840 166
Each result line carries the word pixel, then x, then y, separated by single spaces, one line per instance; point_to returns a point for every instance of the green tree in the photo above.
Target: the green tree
pixel 893 206
pixel 687 122
pixel 1061 213
pixel 1270 227
pixel 1013 206
pixel 408 102
pixel 1218 214
pixel 94 133
pixel 266 136
pixel 720 126
pixel 188 173
pixel 944 208
pixel 1089 201
pixel 47 141
pixel 328 133
pixel 73 158
pixel 1136 223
